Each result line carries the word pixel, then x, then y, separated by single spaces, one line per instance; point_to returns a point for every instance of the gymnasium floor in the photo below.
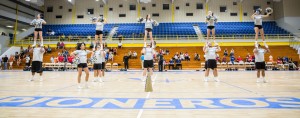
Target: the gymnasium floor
pixel 176 95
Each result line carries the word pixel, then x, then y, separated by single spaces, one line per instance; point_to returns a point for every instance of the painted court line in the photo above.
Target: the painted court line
pixel 148 95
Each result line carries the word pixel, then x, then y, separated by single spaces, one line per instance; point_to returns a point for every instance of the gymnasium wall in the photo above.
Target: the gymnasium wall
pixel 9 6
pixel 287 15
pixel 180 14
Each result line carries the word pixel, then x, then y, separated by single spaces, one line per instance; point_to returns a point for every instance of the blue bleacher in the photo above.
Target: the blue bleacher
pixel 170 29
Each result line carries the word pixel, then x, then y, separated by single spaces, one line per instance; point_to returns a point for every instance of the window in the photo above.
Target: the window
pixel 256 7
pixel 268 2
pixel 199 6
pixel 234 3
pixel 155 14
pixel 132 7
pixel 111 9
pixel 58 16
pixel 153 5
pixel 143 8
pixel 245 14
pixel 101 5
pixel 189 14
pixel 165 6
pixel 187 4
pixel 80 16
pixel 60 7
pixel 120 5
pixel 233 14
pixel 91 11
pixel 223 9
pixel 122 15
pixel 70 10
pixel 177 8
pixel 50 9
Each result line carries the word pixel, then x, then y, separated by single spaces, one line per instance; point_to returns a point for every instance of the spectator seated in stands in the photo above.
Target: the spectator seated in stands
pixel 111 56
pixel 70 59
pixel 196 56
pixel 52 59
pixel 218 58
pixel 115 51
pixel 231 53
pixel 186 56
pixel 181 56
pixel 232 59
pixel 225 52
pixel 224 60
pixel 175 57
pixel 61 45
pixel 120 44
pixel 49 50
pixel 271 59
pixel 167 51
pixel 279 60
pixel 178 64
pixel 106 56
pixel 239 59
pixel 60 58
pixel 171 63
pixel 57 45
pixel 285 60
pixel 134 55
pixel 247 57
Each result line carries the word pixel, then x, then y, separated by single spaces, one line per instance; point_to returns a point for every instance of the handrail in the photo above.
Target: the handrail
pixel 29 40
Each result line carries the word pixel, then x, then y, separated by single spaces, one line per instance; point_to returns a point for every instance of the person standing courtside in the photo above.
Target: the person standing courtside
pixel 125 61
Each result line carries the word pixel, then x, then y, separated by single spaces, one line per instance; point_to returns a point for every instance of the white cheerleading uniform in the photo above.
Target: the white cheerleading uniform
pixel 38 24
pixel 148 23
pixel 82 54
pixel 37 61
pixel 260 59
pixel 211 57
pixel 148 58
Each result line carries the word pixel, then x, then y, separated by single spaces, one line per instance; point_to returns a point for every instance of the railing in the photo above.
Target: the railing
pixel 74 39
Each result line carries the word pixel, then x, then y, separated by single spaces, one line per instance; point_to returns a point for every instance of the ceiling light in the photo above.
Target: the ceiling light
pixel 27 0
pixel 97 0
pixel 70 0
pixel 10 26
pixel 24 29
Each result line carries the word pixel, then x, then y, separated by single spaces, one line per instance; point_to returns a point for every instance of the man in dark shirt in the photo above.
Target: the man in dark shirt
pixel 160 62
pixel 125 61
pixel 5 60
pixel 171 63
pixel 178 64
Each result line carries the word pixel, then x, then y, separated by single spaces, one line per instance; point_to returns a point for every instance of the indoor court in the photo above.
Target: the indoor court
pixel 149 59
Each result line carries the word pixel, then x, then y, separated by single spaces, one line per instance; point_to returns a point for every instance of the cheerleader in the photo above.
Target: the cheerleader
pixel 37 61
pixel 258 28
pixel 82 53
pixel 260 64
pixel 210 21
pixel 210 53
pixel 148 27
pixel 148 60
pixel 98 54
pixel 38 23
pixel 99 22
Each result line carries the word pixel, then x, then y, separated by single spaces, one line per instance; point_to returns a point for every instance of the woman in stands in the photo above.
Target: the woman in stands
pixel 82 53
pixel 257 17
pixel 148 27
pixel 98 54
pixel 210 21
pixel 99 22
pixel 148 60
pixel 38 23
pixel 210 53
pixel 260 64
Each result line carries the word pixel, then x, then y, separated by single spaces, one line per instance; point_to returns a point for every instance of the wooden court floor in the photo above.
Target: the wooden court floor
pixel 179 94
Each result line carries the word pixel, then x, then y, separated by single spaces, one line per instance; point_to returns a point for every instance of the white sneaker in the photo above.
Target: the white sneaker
pixel 100 80
pixel 29 80
pixel 79 87
pixel 264 80
pixel 34 44
pixel 95 80
pixel 206 79
pixel 216 79
pixel 143 79
pixel 257 80
pixel 41 79
pixel 86 85
pixel 42 44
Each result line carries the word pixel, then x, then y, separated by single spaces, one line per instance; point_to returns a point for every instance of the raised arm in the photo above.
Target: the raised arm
pixel 265 16
pixel 252 17
pixel 44 22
